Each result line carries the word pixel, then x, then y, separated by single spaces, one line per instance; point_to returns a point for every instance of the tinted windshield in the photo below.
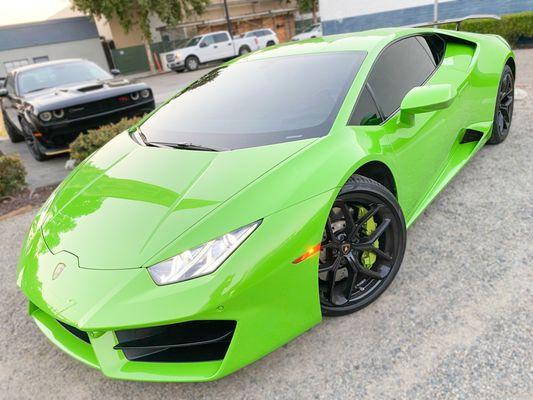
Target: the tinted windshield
pixel 193 42
pixel 54 75
pixel 258 102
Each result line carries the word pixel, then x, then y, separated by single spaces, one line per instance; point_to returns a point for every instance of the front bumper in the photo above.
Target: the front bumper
pixel 270 299
pixel 56 136
pixel 176 65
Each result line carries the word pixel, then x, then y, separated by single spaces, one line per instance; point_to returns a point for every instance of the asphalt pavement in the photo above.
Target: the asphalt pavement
pixel 455 323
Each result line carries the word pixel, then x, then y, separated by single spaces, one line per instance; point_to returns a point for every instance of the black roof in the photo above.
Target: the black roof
pixel 47 32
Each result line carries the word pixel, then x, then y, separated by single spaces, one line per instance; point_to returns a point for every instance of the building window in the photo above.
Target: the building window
pixel 11 65
pixel 40 59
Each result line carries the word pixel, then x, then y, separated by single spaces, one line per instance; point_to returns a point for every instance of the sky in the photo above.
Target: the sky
pixel 20 11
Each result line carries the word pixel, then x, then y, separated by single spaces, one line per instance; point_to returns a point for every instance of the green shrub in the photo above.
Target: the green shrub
pixel 86 144
pixel 12 174
pixel 512 26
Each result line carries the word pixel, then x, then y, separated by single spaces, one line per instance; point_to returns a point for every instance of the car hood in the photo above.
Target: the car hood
pixel 78 93
pixel 126 202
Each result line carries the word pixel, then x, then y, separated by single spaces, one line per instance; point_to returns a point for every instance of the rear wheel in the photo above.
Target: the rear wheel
pixel 12 132
pixel 270 43
pixel 504 107
pixel 244 50
pixel 362 247
pixel 192 63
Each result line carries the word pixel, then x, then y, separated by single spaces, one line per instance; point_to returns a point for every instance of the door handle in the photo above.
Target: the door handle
pixel 229 44
pixel 215 46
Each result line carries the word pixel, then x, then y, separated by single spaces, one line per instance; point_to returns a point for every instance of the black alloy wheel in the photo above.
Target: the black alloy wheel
pixel 32 142
pixel 362 246
pixel 504 107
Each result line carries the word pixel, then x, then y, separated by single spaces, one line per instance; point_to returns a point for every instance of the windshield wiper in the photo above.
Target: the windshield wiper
pixel 184 146
pixel 38 90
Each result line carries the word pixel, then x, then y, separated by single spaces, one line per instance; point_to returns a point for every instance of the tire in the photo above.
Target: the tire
pixel 192 63
pixel 271 43
pixel 244 50
pixel 32 143
pixel 13 133
pixel 503 114
pixel 360 253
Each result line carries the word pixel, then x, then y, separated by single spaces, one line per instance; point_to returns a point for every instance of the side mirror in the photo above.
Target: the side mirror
pixel 115 72
pixel 3 92
pixel 203 44
pixel 424 99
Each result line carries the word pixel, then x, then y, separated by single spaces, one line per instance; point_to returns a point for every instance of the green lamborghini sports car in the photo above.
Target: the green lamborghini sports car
pixel 274 190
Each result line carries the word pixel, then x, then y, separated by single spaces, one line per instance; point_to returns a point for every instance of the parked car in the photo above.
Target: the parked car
pixel 264 37
pixel 49 104
pixel 256 201
pixel 206 48
pixel 312 32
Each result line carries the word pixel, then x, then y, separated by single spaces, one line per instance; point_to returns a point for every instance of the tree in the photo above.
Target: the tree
pixel 131 12
pixel 309 6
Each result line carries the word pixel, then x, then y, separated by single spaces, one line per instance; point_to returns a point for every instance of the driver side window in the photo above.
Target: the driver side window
pixel 403 65
pixel 208 40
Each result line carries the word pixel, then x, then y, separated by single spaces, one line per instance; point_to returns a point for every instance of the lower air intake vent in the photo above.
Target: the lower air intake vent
pixel 183 342
pixel 76 332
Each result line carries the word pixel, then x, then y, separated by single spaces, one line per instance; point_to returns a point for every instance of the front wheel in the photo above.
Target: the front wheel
pixel 362 247
pixel 32 143
pixel 192 63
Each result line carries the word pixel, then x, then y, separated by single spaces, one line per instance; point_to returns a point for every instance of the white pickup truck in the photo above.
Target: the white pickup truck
pixel 206 48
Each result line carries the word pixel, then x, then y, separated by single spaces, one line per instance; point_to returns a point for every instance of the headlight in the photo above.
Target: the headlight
pixel 201 260
pixel 134 96
pixel 145 93
pixel 45 116
pixel 59 113
pixel 177 55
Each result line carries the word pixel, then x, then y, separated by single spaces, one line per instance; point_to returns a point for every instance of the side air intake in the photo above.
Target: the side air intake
pixel 183 342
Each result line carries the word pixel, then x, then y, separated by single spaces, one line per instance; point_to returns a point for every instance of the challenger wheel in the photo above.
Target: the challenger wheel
pixel 12 131
pixel 192 63
pixel 362 246
pixel 32 143
pixel 504 107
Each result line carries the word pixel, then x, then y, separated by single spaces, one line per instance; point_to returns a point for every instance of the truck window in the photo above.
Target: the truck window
pixel 221 37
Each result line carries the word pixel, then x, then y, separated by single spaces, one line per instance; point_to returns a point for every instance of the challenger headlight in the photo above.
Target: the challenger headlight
pixel 145 93
pixel 45 116
pixel 201 260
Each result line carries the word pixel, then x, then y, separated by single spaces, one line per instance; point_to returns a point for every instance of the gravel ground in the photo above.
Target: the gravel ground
pixel 456 322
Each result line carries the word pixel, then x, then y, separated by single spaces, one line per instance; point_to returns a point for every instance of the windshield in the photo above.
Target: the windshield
pixel 193 41
pixel 55 75
pixel 258 102
pixel 312 28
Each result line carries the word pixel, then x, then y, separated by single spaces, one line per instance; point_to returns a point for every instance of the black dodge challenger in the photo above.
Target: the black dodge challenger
pixel 49 104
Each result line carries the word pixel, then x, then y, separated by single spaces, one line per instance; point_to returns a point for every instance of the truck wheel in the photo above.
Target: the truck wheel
pixel 192 63
pixel 12 131
pixel 244 50
pixel 270 43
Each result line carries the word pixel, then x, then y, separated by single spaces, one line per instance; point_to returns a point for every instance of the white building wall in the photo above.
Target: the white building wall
pixel 90 49
pixel 339 9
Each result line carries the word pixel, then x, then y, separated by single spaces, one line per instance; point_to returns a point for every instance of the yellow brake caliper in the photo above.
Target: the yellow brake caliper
pixel 368 258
